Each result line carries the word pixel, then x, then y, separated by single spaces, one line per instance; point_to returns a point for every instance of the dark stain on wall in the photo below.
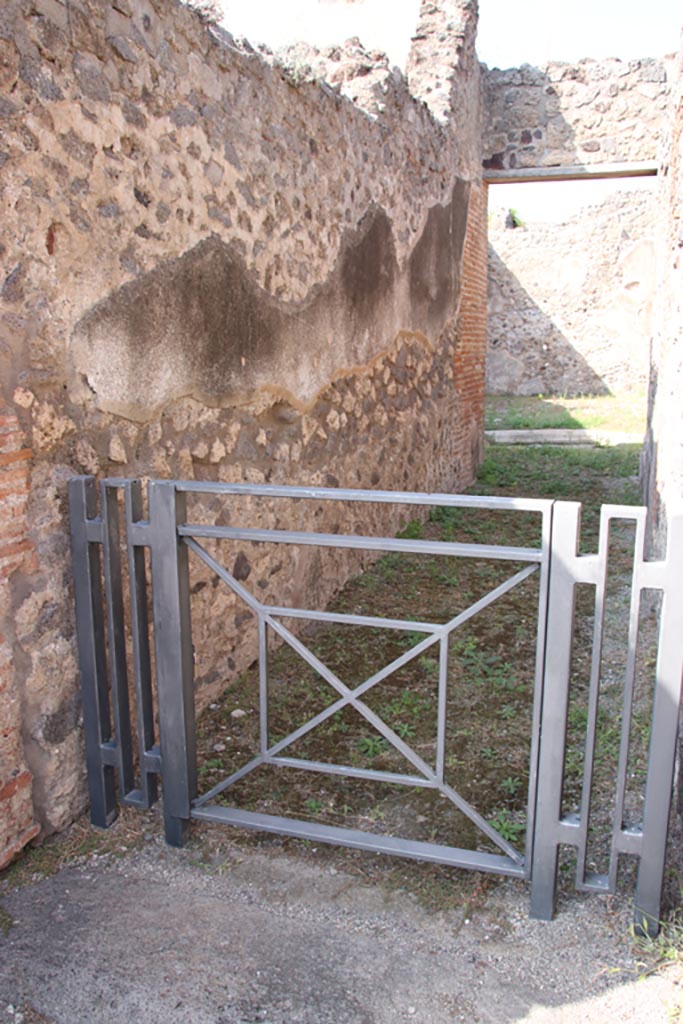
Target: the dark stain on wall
pixel 369 266
pixel 201 324
pixel 435 262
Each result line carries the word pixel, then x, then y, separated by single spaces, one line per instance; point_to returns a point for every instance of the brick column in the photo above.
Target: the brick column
pixel 470 356
pixel 17 826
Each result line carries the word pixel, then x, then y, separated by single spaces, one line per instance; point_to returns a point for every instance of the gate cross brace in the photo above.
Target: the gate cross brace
pixel 350 697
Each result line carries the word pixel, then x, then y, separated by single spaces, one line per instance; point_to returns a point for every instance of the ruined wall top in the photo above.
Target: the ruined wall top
pixel 151 131
pixel 608 111
pixel 442 72
pixel 441 69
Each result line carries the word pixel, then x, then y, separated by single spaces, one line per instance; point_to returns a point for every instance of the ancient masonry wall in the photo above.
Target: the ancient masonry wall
pixel 663 453
pixel 608 111
pixel 17 826
pixel 662 459
pixel 570 304
pixel 217 266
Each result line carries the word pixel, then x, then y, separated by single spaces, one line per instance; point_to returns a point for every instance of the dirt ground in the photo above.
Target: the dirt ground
pixel 223 933
pixel 115 927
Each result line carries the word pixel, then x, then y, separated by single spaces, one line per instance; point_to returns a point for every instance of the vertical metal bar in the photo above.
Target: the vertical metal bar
pixel 544 577
pixel 665 718
pixel 91 649
pixel 441 712
pixel 173 649
pixel 263 683
pixel 629 682
pixel 560 620
pixel 137 579
pixel 118 672
pixel 593 696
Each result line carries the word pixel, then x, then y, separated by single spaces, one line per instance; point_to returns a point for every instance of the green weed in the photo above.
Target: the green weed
pixel 656 952
pixel 506 827
pixel 412 638
pixel 212 764
pixel 404 730
pixel 337 724
pixel 477 663
pixel 413 530
pixel 387 565
pixel 372 746
pixel 409 703
pixel 444 515
pixel 428 665
pixel 510 785
pixel 6 922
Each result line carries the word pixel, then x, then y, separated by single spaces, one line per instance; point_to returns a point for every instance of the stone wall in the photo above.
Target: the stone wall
pixel 608 111
pixel 17 826
pixel 663 453
pixel 217 266
pixel 662 459
pixel 570 304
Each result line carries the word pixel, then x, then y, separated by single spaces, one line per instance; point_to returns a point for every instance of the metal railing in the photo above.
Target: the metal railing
pixel 97 542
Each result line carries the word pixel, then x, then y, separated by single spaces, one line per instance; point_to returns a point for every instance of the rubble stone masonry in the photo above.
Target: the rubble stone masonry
pixel 217 266
pixel 593 112
pixel 17 826
pixel 663 454
pixel 570 302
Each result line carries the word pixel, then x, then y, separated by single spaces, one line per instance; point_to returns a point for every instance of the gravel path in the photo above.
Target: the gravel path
pixel 279 939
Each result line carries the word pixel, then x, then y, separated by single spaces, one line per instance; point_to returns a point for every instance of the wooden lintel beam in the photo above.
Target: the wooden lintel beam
pixel 573 172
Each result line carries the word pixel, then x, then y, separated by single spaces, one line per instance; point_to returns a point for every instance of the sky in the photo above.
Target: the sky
pixel 511 32
pixel 381 24
pixel 533 31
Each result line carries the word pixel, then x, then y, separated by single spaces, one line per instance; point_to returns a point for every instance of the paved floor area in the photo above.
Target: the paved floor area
pixel 273 938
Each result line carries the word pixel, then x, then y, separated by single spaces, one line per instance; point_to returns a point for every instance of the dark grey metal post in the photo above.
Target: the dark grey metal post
pixel 142 664
pixel 564 543
pixel 173 648
pixel 116 636
pixel 665 714
pixel 91 649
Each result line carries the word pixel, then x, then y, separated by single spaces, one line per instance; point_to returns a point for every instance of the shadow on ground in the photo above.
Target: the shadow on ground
pixel 220 934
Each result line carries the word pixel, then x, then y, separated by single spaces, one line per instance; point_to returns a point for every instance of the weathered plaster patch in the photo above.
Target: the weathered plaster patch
pixel 200 325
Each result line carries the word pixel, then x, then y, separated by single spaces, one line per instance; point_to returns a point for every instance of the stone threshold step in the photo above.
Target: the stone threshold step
pixel 562 436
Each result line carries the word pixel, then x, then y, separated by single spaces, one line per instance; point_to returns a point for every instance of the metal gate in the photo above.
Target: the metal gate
pixel 162 678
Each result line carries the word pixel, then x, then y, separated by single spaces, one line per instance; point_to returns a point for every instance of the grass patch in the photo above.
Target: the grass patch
pixel 592 476
pixel 624 413
pixel 77 843
pixel 6 922
pixel 663 951
pixel 490 673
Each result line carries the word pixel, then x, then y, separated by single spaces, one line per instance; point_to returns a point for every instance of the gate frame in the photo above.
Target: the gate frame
pixel 169 537
pixel 648 839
